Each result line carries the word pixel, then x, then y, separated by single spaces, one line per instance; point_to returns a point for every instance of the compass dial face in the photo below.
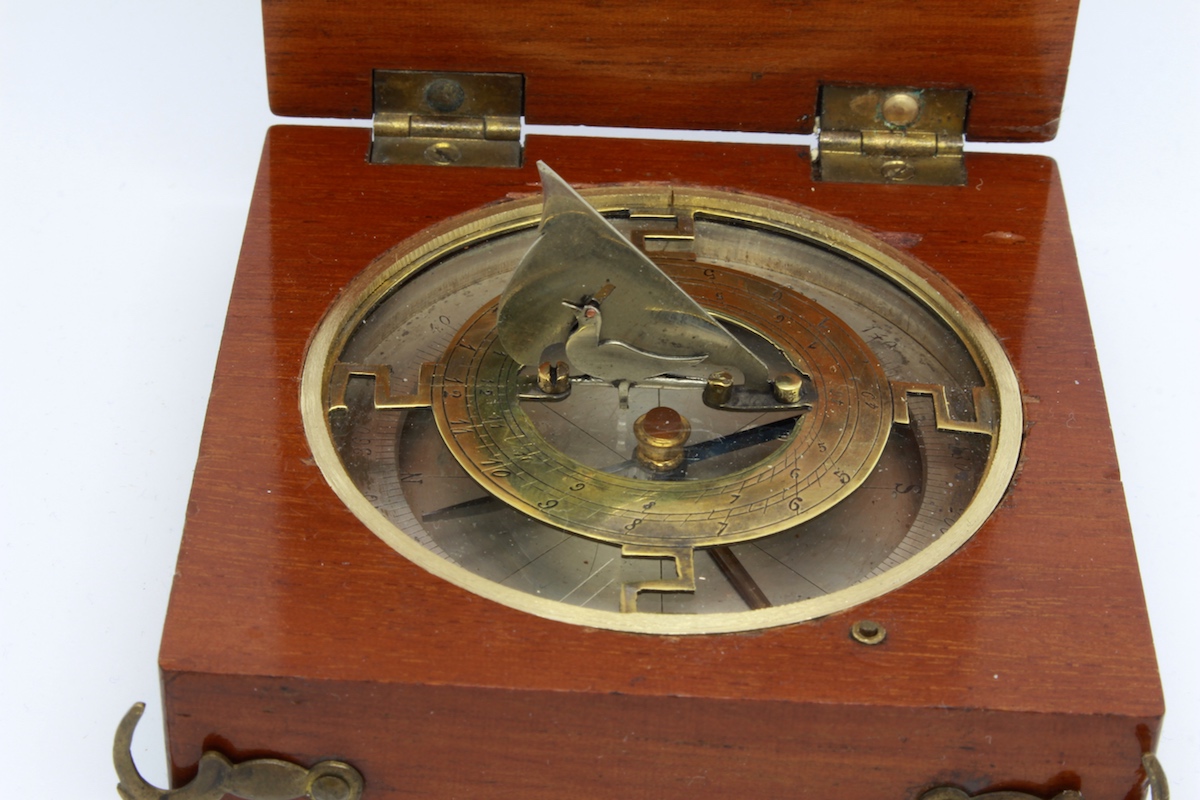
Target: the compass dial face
pixel 900 443
pixel 818 461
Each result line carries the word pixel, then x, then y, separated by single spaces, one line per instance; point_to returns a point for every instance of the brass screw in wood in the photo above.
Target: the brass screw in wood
pixel 868 631
pixel 442 153
pixel 445 95
pixel 897 171
pixel 901 109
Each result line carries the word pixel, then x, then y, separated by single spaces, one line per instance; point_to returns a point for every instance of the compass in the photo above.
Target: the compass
pixel 661 409
pixel 685 469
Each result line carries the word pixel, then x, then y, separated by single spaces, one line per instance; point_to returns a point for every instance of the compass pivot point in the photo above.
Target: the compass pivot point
pixel 661 434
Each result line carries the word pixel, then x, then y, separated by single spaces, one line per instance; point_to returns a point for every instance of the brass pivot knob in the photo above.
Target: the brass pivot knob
pixel 718 389
pixel 787 386
pixel 661 434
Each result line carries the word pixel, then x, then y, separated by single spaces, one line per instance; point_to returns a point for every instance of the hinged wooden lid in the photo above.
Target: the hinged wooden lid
pixel 755 65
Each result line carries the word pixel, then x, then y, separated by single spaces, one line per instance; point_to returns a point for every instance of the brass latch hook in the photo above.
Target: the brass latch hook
pixel 217 776
pixel 1156 777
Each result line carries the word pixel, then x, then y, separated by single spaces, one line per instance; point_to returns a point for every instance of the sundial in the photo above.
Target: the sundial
pixel 827 420
pixel 551 465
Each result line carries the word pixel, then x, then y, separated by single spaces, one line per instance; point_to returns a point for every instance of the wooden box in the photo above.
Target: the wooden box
pixel 1024 662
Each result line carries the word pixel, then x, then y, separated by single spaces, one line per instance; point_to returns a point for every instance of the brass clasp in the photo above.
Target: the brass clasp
pixel 259 779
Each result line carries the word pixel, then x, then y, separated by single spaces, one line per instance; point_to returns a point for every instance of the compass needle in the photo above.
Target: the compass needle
pixel 825 419
pixel 733 570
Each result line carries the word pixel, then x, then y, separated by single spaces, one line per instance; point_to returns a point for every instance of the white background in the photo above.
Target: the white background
pixel 129 136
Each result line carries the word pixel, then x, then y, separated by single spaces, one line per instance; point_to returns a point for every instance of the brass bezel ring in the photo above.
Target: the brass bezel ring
pixel 427 248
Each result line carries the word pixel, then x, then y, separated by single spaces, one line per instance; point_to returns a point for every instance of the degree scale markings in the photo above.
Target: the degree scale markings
pixel 940 496
pixel 444 513
pixel 826 458
pixel 527 450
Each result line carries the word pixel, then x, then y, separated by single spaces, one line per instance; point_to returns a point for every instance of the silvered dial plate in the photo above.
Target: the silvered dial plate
pixel 945 446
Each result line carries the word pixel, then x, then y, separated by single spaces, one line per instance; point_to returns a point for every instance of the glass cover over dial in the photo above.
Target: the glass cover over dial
pixel 661 409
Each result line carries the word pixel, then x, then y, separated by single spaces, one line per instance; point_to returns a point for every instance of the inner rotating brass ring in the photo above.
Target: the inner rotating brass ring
pixel 829 454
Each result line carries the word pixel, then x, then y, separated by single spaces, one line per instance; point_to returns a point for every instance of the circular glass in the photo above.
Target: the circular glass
pixel 904 440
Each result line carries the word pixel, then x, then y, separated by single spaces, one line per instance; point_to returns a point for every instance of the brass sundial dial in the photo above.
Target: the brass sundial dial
pixel 661 409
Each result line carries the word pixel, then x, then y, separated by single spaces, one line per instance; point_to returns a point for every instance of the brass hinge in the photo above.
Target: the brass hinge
pixel 462 119
pixel 891 135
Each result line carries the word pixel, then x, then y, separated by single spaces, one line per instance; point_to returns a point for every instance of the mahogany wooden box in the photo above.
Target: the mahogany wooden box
pixel 1024 662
